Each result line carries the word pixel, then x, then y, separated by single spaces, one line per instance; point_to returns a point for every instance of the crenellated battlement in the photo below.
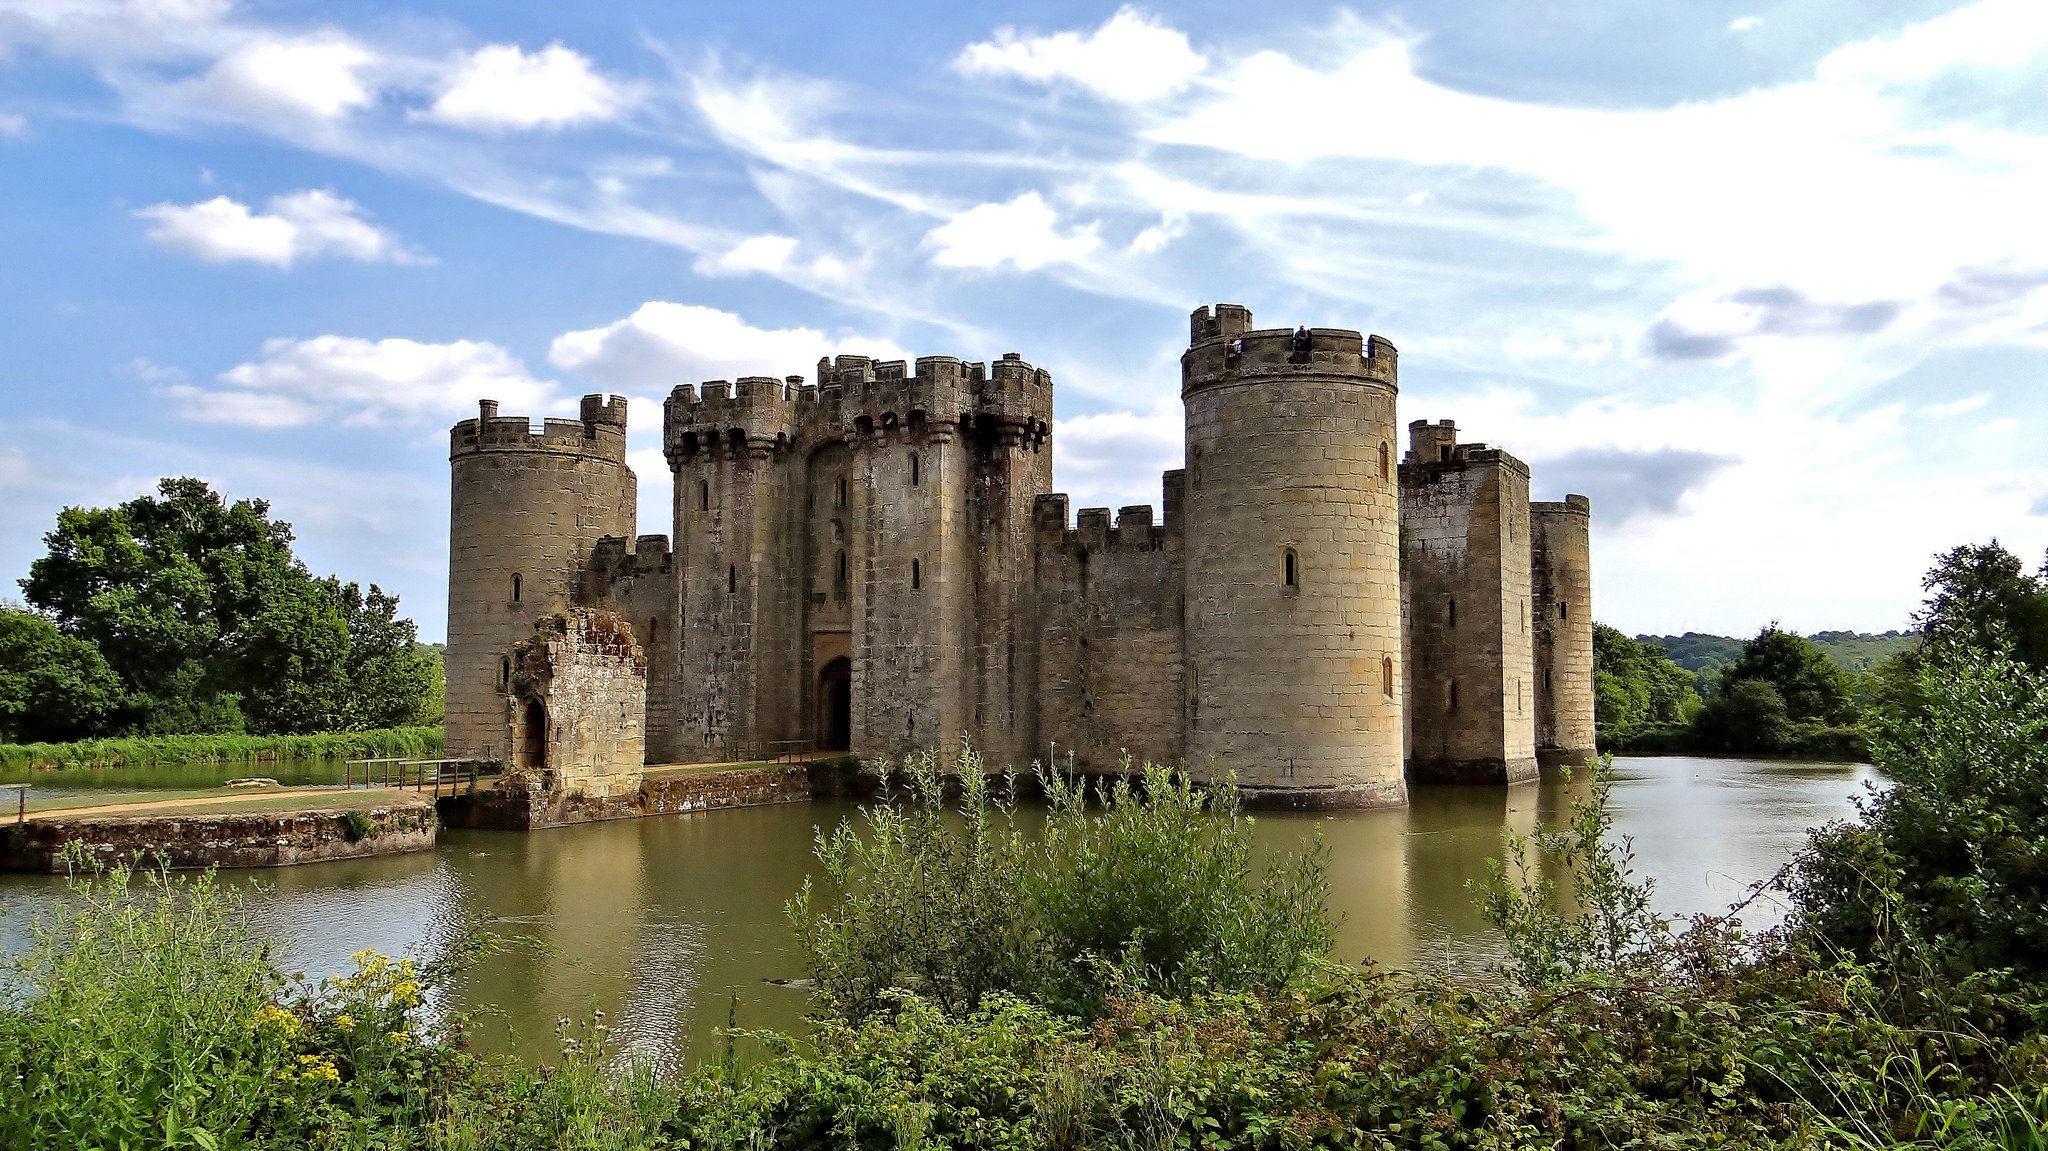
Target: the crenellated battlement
pixel 1094 530
pixel 1434 449
pixel 859 400
pixel 1225 349
pixel 600 433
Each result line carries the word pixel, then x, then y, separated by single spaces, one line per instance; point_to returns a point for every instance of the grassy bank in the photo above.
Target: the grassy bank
pixel 167 750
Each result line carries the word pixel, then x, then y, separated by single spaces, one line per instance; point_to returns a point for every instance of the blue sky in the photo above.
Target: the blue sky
pixel 1768 281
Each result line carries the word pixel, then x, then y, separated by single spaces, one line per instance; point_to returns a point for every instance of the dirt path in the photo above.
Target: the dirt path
pixel 268 794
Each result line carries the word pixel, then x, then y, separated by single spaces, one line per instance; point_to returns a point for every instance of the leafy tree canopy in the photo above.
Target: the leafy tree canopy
pixel 1636 685
pixel 52 686
pixel 1813 687
pixel 211 624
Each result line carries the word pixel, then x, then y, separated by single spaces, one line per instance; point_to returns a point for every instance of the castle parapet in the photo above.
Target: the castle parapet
pixel 1572 505
pixel 1225 348
pixel 601 433
pixel 1095 530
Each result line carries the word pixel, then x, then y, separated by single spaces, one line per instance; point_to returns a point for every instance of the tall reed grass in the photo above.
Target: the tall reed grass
pixel 166 750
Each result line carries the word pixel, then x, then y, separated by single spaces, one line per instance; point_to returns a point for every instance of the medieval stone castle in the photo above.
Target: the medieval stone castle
pixel 876 562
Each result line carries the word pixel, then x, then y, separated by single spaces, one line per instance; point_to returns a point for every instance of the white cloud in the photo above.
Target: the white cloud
pixel 500 87
pixel 663 344
pixel 1743 24
pixel 296 226
pixel 317 77
pixel 1170 227
pixel 1130 59
pixel 1961 407
pixel 1023 232
pixel 775 256
pixel 365 382
pixel 13 124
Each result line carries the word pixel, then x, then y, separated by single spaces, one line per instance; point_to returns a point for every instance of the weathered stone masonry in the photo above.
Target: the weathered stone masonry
pixel 875 561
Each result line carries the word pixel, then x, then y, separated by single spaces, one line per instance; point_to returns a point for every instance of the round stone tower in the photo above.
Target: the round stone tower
pixel 1561 567
pixel 527 508
pixel 1292 538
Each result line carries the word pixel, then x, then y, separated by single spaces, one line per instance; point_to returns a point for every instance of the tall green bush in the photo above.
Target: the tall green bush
pixel 1150 885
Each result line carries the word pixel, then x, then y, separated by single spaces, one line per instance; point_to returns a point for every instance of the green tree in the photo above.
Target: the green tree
pixel 1981 595
pixel 1636 686
pixel 53 687
pixel 1748 715
pixel 211 623
pixel 1813 688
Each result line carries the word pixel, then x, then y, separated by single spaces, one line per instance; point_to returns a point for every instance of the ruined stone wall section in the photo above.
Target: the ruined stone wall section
pixel 1287 432
pixel 639 582
pixel 529 507
pixel 1111 650
pixel 1466 571
pixel 590 677
pixel 1562 603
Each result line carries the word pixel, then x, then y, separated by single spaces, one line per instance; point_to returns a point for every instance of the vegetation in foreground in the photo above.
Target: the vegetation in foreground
pixel 1097 990
pixel 183 614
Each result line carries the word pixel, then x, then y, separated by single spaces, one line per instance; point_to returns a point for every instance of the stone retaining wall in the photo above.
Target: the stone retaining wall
pixel 220 839
pixel 658 795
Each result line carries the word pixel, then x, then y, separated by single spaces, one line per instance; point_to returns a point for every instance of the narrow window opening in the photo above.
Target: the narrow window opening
pixel 653 631
pixel 1525 615
pixel 703 495
pixel 1386 460
pixel 1290 575
pixel 505 672
pixel 1451 619
pixel 916 471
pixel 1518 697
pixel 1454 695
pixel 1387 676
pixel 1564 610
pixel 1443 453
pixel 515 587
pixel 841 575
pixel 839 493
pixel 916 574
pixel 732 578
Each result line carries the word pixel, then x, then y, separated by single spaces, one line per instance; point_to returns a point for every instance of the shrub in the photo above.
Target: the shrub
pixel 1949 867
pixel 955 904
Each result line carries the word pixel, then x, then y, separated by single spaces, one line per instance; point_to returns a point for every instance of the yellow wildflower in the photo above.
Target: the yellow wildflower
pixel 398 1038
pixel 276 1018
pixel 345 1021
pixel 407 993
pixel 318 1067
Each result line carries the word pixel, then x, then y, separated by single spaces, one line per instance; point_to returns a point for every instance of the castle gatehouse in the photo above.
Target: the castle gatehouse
pixel 874 561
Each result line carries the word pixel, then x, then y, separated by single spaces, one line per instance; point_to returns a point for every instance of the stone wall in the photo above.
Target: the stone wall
pixel 582 679
pixel 1110 649
pixel 1562 564
pixel 244 839
pixel 669 794
pixel 1465 530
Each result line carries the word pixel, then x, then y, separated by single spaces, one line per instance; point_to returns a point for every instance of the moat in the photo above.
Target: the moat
pixel 667 923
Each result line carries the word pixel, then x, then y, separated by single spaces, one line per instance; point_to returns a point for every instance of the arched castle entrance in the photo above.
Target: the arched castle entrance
pixel 835 706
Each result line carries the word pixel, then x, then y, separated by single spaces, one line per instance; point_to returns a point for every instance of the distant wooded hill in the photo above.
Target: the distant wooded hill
pixel 1853 650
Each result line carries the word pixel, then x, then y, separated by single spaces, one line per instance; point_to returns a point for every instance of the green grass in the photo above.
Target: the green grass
pixel 146 751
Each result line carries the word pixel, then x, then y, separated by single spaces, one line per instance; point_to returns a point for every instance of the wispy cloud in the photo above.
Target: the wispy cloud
pixel 296 226
pixel 351 381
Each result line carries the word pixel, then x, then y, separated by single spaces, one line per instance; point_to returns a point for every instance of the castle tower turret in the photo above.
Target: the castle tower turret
pixel 1292 543
pixel 1562 565
pixel 526 511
